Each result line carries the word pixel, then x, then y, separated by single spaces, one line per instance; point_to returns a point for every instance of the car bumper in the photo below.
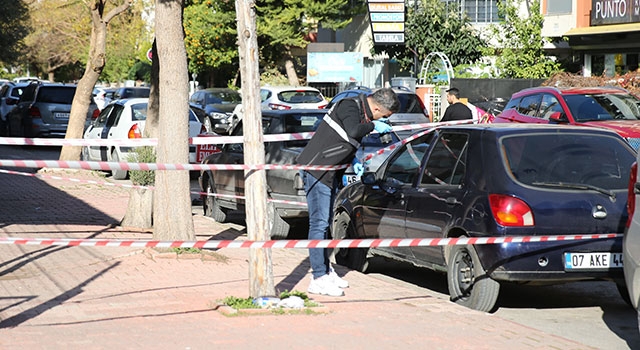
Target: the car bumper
pixel 545 261
pixel 631 256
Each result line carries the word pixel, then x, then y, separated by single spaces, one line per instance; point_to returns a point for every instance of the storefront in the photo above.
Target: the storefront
pixel 611 43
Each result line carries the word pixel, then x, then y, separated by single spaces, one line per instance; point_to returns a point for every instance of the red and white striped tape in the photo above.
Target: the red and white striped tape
pixel 344 243
pixel 156 166
pixel 202 140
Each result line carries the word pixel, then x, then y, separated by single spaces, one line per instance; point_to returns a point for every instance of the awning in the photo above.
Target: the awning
pixel 609 29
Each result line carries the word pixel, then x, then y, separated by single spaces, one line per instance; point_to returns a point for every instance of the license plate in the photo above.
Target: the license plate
pixel 61 115
pixel 592 261
pixel 349 179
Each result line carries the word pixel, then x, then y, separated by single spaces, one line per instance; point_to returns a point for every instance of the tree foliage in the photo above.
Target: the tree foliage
pixel 211 35
pixel 432 27
pixel 14 26
pixel 520 54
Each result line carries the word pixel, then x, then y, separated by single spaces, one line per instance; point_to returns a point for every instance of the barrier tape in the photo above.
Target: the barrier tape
pixel 201 140
pixel 327 243
pixel 90 165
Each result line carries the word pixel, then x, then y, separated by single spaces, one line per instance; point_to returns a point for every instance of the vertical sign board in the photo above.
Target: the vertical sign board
pixel 387 21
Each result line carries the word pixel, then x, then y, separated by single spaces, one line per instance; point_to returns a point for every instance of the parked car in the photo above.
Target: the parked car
pixel 602 107
pixel 291 97
pixel 412 110
pixel 495 180
pixel 631 241
pixel 283 185
pixel 218 104
pixel 43 111
pixel 131 92
pixel 102 96
pixel 9 97
pixel 121 120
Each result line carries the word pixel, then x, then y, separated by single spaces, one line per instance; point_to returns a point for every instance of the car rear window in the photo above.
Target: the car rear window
pixel 139 111
pixel 300 96
pixel 299 123
pixel 410 103
pixel 135 93
pixel 56 94
pixel 583 159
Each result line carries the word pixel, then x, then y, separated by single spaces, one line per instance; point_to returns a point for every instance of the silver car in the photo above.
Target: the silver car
pixel 631 242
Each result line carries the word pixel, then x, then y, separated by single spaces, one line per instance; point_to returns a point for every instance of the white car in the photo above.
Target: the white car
pixel 291 97
pixel 125 119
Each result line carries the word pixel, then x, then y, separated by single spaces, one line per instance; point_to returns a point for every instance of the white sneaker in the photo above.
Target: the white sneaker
pixel 339 282
pixel 324 285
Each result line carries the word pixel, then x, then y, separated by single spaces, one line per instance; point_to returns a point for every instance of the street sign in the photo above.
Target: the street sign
pixel 387 21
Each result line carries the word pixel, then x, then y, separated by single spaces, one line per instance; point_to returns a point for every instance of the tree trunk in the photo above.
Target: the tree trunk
pixel 291 72
pixel 95 64
pixel 140 209
pixel 172 215
pixel 260 265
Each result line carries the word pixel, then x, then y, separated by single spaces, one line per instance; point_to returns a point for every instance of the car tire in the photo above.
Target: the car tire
pixel 211 206
pixel 208 124
pixel 117 174
pixel 469 285
pixel 278 227
pixel 353 258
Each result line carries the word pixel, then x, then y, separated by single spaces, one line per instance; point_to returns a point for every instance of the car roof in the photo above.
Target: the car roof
pixel 287 88
pixel 572 90
pixel 506 128
pixel 275 112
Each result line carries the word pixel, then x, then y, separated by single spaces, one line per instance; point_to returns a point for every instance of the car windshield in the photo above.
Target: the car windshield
pixel 569 160
pixel 300 96
pixel 586 107
pixel 221 97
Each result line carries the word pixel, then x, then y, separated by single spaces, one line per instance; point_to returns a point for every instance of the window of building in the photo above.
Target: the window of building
pixel 559 7
pixel 478 11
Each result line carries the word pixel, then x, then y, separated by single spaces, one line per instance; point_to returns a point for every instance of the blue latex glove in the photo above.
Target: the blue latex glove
pixel 381 127
pixel 358 168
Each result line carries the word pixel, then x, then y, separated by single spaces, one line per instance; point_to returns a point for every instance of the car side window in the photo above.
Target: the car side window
pixel 548 106
pixel 405 165
pixel 264 95
pixel 236 147
pixel 114 116
pixel 446 164
pixel 101 121
pixel 529 105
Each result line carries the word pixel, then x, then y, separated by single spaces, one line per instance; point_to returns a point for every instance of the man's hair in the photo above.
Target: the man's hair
pixel 387 99
pixel 454 91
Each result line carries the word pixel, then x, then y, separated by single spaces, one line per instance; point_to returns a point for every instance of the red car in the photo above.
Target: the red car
pixel 603 107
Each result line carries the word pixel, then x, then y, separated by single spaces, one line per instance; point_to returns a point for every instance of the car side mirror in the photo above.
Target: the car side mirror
pixel 558 117
pixel 368 178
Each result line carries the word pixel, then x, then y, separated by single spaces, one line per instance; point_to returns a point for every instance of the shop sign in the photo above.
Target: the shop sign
pixel 605 12
pixel 387 21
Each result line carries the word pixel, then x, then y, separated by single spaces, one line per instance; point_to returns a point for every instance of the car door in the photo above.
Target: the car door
pixel 384 205
pixel 231 182
pixel 527 110
pixel 106 132
pixel 95 132
pixel 432 204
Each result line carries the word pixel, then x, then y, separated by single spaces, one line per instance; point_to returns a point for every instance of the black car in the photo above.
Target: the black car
pixel 284 186
pixel 489 180
pixel 218 104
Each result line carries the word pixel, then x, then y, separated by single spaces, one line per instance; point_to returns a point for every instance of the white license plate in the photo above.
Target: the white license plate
pixel 349 179
pixel 61 115
pixel 592 261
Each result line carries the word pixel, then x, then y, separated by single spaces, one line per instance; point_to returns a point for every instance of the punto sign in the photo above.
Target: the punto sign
pixel 614 11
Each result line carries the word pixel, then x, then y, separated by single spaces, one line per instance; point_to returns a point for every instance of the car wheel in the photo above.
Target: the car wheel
pixel 277 226
pixel 354 258
pixel 211 206
pixel 118 174
pixel 469 285
pixel 208 124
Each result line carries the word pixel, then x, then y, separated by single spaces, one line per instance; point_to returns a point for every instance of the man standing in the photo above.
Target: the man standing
pixel 456 110
pixel 335 142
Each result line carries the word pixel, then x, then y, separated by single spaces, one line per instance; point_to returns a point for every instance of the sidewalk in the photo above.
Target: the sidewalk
pixel 126 298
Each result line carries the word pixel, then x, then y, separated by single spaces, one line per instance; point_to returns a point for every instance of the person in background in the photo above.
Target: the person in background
pixel 456 110
pixel 335 143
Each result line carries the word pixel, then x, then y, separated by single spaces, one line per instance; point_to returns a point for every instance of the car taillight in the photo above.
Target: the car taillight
pixel 34 112
pixel 134 132
pixel 95 114
pixel 276 106
pixel 510 211
pixel 631 195
pixel 322 106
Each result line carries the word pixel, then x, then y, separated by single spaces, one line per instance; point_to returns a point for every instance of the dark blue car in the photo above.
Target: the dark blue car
pixel 495 181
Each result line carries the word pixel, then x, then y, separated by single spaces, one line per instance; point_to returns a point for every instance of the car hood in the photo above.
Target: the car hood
pixel 626 128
